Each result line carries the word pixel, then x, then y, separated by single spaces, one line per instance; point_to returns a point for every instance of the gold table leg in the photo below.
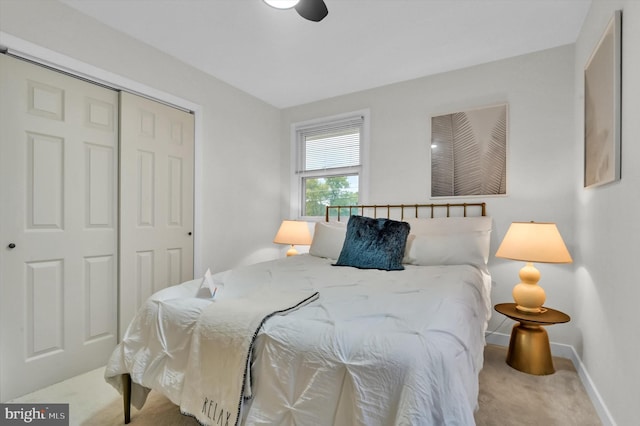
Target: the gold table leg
pixel 529 350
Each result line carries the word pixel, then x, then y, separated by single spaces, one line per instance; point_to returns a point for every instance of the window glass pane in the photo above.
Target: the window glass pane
pixel 330 150
pixel 329 191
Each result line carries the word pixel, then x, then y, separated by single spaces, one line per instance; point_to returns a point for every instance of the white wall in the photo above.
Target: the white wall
pixel 608 232
pixel 539 89
pixel 239 159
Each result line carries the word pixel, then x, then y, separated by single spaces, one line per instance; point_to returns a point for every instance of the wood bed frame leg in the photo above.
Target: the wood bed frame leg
pixel 126 397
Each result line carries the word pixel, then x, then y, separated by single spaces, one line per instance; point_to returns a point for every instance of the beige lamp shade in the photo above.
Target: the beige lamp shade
pixel 293 232
pixel 532 242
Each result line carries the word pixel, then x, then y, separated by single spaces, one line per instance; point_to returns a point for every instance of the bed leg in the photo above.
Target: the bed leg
pixel 126 397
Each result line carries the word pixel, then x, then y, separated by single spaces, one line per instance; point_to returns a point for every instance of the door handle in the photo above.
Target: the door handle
pixel 11 246
pixel 189 233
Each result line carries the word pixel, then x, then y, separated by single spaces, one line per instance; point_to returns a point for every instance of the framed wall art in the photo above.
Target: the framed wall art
pixel 602 107
pixel 469 153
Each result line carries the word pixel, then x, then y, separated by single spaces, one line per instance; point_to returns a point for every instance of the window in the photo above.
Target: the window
pixel 329 164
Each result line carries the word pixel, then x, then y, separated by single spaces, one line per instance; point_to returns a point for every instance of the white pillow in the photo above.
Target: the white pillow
pixel 328 238
pixel 449 225
pixel 450 241
pixel 455 249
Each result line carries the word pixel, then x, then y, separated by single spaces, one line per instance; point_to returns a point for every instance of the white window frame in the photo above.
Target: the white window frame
pixel 297 197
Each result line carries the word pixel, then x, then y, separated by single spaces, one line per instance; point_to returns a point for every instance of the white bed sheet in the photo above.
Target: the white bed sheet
pixel 377 348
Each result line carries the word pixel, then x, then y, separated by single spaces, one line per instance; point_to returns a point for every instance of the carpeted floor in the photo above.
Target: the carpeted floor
pixel 507 397
pixel 510 397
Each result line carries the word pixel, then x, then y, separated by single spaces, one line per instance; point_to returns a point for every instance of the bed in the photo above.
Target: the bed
pixel 327 338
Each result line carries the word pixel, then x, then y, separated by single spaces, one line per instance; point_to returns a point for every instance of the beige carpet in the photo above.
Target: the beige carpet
pixel 507 397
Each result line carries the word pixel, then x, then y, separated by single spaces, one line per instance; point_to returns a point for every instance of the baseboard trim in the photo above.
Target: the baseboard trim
pixel 605 416
pixel 569 352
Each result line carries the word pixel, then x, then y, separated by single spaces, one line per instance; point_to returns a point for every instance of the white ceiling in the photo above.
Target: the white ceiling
pixel 285 60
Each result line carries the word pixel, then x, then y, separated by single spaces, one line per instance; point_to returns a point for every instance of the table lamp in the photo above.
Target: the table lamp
pixel 293 232
pixel 532 242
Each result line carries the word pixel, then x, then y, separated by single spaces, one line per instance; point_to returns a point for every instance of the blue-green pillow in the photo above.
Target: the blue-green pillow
pixel 374 244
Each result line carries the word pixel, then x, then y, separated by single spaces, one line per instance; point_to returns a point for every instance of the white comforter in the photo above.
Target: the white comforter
pixel 376 348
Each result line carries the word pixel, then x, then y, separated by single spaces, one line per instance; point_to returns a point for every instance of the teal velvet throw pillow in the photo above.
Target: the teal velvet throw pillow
pixel 374 244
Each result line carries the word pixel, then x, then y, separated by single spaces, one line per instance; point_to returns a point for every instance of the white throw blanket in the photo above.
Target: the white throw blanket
pixel 218 375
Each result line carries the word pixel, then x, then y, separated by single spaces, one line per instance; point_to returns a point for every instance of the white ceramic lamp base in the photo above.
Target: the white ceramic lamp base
pixel 528 295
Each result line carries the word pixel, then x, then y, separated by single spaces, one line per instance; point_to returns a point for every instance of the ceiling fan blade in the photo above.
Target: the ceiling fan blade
pixel 313 10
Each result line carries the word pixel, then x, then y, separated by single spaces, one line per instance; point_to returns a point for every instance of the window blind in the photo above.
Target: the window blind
pixel 330 146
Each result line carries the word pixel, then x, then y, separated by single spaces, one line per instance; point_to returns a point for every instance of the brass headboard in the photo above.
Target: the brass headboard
pixel 415 209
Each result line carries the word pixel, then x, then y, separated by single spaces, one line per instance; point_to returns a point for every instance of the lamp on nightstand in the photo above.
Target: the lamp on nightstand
pixel 532 242
pixel 293 232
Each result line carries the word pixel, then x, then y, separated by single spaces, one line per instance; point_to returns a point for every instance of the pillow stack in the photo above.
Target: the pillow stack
pixel 438 241
pixel 450 241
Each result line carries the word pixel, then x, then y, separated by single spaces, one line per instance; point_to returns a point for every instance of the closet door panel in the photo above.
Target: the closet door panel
pixel 58 226
pixel 156 195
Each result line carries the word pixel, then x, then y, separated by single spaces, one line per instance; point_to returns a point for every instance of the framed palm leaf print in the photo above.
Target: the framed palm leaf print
pixel 469 153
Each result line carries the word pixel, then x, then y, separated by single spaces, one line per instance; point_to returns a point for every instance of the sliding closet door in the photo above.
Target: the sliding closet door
pixel 58 226
pixel 156 200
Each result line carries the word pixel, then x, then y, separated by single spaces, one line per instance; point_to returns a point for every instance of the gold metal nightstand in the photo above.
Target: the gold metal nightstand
pixel 529 349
